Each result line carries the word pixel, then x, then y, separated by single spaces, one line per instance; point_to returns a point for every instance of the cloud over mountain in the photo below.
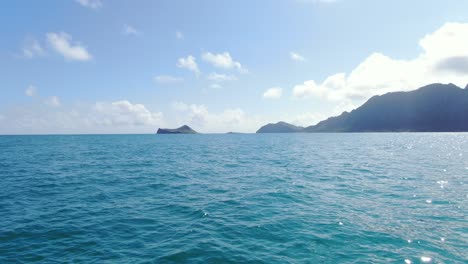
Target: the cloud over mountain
pixel 443 59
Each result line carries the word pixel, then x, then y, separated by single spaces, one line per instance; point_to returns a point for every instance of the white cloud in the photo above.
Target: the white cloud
pixel 121 116
pixel 231 119
pixel 179 35
pixel 32 48
pixel 273 93
pixel 100 117
pixel 31 91
pixel 223 60
pixel 52 101
pixel 312 89
pixel 196 113
pixel 308 118
pixel 312 118
pixel 296 56
pixel 61 43
pixel 129 30
pixel 93 4
pixel 190 64
pixel 216 77
pixel 167 79
pixel 444 59
pixel 124 113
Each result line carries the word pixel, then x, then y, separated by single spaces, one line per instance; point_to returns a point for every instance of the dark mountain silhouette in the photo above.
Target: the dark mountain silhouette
pixel 280 127
pixel 432 108
pixel 181 130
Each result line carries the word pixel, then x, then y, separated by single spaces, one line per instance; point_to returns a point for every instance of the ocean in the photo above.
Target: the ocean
pixel 234 198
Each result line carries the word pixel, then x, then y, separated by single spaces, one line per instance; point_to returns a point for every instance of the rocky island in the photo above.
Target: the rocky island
pixel 181 130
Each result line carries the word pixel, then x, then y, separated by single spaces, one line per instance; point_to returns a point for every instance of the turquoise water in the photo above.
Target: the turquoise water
pixel 279 198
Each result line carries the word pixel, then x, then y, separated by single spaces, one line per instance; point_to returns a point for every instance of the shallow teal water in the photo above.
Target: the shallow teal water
pixel 280 198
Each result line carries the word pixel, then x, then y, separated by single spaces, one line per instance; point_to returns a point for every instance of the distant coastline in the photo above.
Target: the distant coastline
pixel 432 108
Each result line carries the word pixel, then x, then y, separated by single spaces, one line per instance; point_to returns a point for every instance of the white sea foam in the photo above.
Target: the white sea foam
pixel 426 259
pixel 442 183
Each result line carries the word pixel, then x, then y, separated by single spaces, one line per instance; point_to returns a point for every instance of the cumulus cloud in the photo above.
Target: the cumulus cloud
pixel 62 44
pixel 100 117
pixel 216 77
pixel 296 56
pixel 32 48
pixel 273 93
pixel 52 101
pixel 327 90
pixel 31 91
pixel 312 118
pixel 124 113
pixel 223 60
pixel 122 116
pixel 231 119
pixel 308 118
pixel 167 79
pixel 197 114
pixel 129 30
pixel 179 35
pixel 454 64
pixel 190 64
pixel 93 4
pixel 443 59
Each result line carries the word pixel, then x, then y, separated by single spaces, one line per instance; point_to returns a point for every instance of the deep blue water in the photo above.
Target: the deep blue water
pixel 279 198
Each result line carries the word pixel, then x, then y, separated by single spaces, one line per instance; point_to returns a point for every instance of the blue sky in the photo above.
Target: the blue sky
pixel 101 66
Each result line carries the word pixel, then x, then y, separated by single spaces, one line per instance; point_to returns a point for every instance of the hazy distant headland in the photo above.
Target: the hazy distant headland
pixel 432 108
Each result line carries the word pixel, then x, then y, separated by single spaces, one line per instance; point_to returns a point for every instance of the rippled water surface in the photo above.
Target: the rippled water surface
pixel 280 198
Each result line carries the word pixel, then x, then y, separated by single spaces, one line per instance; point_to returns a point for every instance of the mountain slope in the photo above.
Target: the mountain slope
pixel 280 127
pixel 432 108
